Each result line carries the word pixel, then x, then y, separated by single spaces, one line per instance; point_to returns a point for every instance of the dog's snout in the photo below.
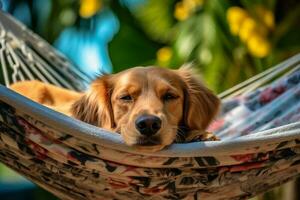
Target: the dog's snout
pixel 148 125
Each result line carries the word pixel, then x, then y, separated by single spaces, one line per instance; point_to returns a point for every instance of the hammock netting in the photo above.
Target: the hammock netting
pixel 259 129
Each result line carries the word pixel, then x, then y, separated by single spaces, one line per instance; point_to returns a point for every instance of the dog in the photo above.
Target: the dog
pixel 150 107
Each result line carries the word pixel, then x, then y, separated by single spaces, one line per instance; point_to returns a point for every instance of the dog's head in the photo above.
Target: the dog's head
pixel 148 106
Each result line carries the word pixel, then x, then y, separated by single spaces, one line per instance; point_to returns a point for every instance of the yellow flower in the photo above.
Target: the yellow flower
pixel 236 14
pixel 164 54
pixel 235 17
pixel 89 7
pixel 192 4
pixel 269 19
pixel 234 28
pixel 185 8
pixel 248 27
pixel 182 11
pixel 266 16
pixel 258 46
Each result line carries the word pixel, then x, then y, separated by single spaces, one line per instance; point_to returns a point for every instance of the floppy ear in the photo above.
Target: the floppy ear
pixel 94 107
pixel 201 105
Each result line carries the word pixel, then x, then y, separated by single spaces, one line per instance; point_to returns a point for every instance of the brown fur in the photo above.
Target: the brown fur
pixel 192 108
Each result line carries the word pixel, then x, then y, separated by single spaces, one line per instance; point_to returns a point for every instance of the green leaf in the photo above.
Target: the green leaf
pixel 156 18
pixel 131 46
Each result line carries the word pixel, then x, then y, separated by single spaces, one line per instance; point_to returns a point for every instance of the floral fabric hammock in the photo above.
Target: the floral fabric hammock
pixel 259 129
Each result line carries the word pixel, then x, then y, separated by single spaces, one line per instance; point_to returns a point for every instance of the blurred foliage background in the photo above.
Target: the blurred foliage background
pixel 229 41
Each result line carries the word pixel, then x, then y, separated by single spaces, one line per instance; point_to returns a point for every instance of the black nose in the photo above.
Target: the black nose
pixel 148 125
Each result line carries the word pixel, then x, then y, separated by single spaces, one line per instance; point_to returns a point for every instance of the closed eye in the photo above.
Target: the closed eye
pixel 169 96
pixel 126 98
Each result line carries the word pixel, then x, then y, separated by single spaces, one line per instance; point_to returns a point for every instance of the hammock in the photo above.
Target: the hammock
pixel 259 127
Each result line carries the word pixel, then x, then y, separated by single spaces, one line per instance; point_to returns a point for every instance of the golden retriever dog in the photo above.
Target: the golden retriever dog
pixel 150 107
